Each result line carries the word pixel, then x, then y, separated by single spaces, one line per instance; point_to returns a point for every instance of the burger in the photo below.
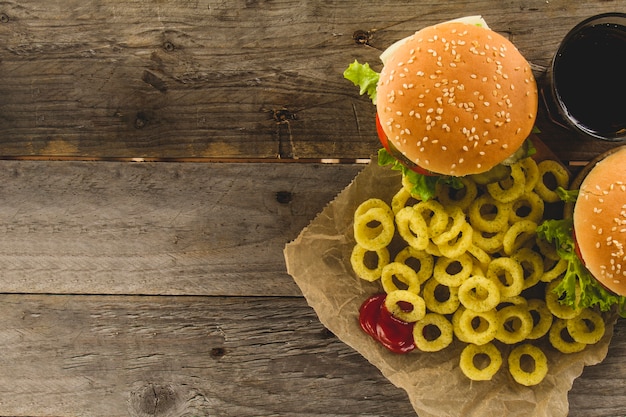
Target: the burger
pixel 592 236
pixel 452 100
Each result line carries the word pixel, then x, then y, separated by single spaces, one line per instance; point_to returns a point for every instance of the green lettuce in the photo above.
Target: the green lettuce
pixel 364 77
pixel 592 293
pixel 423 185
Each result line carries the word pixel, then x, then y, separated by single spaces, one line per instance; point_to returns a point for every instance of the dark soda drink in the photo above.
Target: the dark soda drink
pixel 589 77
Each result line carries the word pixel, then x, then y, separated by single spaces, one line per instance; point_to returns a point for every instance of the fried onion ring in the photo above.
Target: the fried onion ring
pixel 412 228
pixel 440 298
pixel 528 207
pixel 478 327
pixel 518 235
pixel 479 293
pixel 359 261
pixel 461 198
pixel 415 313
pixel 483 372
pixel 434 215
pixel 401 272
pixel 562 311
pixel 452 272
pixel 515 323
pixel 531 172
pixel 420 261
pixel 489 215
pixel 511 188
pixel 458 245
pixel 432 333
pixel 588 327
pixel 538 367
pixel 508 274
pixel 532 264
pixel 487 241
pixel 561 340
pixel 374 228
pixel 546 190
pixel 542 318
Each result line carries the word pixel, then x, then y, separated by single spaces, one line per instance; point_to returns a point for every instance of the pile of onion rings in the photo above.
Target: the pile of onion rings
pixel 469 268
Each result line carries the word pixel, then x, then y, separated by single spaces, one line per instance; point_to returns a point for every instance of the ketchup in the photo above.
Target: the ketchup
pixel 394 334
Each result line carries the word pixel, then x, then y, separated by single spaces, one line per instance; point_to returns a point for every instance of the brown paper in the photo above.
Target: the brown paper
pixel 319 262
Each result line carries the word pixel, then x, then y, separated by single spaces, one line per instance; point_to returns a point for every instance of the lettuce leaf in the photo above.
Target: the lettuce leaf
pixel 591 292
pixel 364 77
pixel 423 185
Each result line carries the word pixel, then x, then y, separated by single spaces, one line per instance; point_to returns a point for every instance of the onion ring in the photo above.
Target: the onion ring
pixel 532 264
pixel 541 325
pixel 528 207
pixel 479 294
pixel 418 307
pixel 422 332
pixel 478 327
pixel 518 235
pixel 489 215
pixel 558 172
pixel 425 262
pixel 488 241
pixel 539 366
pixel 434 214
pixel 515 323
pixel 588 327
pixel 468 359
pixel 458 245
pixel 562 311
pixel 511 188
pixel 560 338
pixel 440 298
pixel 358 262
pixel 508 274
pixel 402 273
pixel 461 198
pixel 531 172
pixel 452 272
pixel 412 228
pixel 374 237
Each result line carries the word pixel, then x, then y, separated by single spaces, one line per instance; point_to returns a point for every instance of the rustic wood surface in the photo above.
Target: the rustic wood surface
pixel 159 288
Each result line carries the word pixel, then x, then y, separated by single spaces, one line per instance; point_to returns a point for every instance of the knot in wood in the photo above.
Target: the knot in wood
pixel 283 115
pixel 4 18
pixel 155 400
pixel 362 37
pixel 284 197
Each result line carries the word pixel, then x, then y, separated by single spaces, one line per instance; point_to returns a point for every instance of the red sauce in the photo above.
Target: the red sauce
pixel 394 334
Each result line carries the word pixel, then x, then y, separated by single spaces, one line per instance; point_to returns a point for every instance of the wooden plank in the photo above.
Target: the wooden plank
pixel 157 228
pixel 103 78
pixel 135 356
pixel 172 356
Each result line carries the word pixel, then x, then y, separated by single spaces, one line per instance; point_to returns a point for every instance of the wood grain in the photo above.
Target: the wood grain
pixel 156 228
pixel 209 356
pixel 259 79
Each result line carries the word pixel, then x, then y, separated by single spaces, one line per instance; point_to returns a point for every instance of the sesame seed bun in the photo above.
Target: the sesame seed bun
pixel 600 220
pixel 456 98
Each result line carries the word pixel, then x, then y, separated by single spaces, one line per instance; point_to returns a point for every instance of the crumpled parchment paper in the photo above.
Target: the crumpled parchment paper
pixel 319 262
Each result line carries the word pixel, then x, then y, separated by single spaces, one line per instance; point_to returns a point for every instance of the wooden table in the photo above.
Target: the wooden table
pixel 156 158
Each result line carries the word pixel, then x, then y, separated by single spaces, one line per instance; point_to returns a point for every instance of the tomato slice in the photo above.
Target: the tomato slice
pixel 382 137
pixel 576 248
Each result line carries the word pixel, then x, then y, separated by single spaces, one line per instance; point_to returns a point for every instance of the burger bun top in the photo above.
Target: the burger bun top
pixel 456 98
pixel 600 221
